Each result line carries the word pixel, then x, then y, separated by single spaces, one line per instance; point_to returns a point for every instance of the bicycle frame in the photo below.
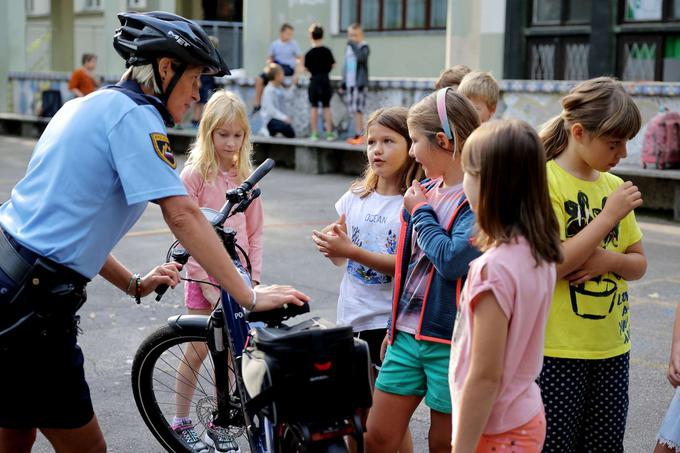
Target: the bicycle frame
pixel 235 330
pixel 226 331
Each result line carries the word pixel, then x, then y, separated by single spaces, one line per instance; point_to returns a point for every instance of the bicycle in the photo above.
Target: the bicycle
pixel 306 384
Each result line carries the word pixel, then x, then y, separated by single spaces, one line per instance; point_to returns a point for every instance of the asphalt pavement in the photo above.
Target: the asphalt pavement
pixel 294 205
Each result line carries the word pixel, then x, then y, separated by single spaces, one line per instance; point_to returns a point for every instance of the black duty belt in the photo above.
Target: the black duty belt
pixel 11 262
pixel 17 261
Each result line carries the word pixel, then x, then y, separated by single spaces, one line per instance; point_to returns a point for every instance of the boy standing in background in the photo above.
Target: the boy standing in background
pixel 355 79
pixel 319 62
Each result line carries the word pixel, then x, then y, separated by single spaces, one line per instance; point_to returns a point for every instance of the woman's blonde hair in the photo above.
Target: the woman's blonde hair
pixel 601 106
pixel 461 114
pixel 223 107
pixel 144 75
pixel 393 118
pixel 508 158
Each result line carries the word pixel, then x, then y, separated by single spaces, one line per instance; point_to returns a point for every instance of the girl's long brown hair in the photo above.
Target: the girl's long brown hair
pixel 508 158
pixel 393 118
pixel 601 106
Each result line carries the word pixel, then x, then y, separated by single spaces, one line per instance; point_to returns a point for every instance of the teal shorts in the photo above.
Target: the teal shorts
pixel 417 368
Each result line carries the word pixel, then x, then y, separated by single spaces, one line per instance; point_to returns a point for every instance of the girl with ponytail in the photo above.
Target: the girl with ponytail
pixel 584 381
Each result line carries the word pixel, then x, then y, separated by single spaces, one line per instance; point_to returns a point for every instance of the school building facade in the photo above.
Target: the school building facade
pixel 537 48
pixel 514 39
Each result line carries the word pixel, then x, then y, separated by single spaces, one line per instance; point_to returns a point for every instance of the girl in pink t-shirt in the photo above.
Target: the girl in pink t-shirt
pixel 498 338
pixel 218 161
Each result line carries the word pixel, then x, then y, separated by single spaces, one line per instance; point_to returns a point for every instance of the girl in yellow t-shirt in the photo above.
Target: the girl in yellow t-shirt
pixel 584 381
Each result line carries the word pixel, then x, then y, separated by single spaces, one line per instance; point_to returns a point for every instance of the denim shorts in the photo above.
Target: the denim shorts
pixel 669 433
pixel 417 368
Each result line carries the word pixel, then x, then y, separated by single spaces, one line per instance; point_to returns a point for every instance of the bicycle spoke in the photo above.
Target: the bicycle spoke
pixel 174 377
pixel 182 360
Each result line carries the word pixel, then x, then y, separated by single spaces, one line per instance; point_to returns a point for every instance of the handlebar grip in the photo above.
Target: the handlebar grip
pixel 259 173
pixel 277 314
pixel 178 255
pixel 160 290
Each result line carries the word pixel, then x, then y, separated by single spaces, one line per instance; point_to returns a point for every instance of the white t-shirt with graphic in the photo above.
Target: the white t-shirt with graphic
pixel 373 224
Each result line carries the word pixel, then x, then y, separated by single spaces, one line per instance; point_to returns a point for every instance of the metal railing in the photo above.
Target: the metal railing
pixel 230 35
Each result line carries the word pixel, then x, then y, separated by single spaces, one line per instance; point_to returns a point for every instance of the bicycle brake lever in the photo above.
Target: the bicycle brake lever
pixel 245 203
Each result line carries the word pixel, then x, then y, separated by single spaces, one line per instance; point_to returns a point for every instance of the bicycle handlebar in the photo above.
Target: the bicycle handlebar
pixel 259 173
pixel 239 194
pixel 234 198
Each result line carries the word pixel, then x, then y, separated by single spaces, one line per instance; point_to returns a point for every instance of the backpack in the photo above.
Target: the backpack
pixel 51 102
pixel 661 146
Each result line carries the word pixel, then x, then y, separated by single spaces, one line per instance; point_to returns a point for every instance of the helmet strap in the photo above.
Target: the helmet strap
pixel 165 94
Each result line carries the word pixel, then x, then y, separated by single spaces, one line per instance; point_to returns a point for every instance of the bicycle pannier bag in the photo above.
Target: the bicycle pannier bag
pixel 313 371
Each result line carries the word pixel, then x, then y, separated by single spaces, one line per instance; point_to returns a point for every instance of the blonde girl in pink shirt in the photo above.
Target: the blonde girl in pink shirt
pixel 219 160
pixel 498 338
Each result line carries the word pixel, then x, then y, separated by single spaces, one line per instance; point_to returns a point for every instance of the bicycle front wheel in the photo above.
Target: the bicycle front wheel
pixel 173 375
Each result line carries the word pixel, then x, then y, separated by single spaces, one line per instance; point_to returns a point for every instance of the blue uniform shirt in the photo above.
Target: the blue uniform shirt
pixel 98 163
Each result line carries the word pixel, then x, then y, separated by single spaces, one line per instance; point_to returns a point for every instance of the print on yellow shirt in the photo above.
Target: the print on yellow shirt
pixel 590 320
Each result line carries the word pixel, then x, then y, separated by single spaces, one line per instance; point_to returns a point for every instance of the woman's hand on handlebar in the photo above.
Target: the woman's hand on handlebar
pixel 165 274
pixel 274 296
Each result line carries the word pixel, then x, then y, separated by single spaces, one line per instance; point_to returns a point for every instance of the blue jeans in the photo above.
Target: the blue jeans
pixel 275 126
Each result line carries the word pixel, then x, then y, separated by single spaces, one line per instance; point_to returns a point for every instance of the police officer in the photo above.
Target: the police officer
pixel 101 159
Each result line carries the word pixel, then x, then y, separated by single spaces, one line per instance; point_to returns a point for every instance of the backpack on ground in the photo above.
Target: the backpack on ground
pixel 51 102
pixel 661 146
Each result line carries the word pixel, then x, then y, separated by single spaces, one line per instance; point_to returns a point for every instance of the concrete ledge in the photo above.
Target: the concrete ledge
pixel 302 154
pixel 23 125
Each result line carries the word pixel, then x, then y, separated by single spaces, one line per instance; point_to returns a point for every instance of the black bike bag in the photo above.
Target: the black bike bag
pixel 310 372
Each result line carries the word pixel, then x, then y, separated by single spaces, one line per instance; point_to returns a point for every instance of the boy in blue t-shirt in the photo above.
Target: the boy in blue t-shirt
pixel 286 53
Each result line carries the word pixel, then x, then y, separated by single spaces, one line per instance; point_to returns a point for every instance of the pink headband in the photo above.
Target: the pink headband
pixel 441 111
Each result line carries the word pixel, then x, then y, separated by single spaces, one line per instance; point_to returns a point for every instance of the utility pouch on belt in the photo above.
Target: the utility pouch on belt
pixel 43 298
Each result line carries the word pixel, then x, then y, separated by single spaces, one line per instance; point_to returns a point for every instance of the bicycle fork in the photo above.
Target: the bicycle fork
pixel 231 408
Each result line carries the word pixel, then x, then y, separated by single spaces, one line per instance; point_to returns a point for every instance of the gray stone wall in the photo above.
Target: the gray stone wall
pixel 528 100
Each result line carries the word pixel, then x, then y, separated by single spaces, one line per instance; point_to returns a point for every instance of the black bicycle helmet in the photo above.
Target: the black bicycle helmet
pixel 143 38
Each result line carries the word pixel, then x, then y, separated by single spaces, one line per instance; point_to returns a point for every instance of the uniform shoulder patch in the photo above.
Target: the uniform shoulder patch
pixel 161 144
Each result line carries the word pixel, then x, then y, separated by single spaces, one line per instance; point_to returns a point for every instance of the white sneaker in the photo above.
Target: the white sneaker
pixel 188 434
pixel 220 440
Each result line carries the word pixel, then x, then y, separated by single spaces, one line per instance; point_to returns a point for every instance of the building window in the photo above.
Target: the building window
pixel 648 45
pixel 92 5
pixel 385 15
pixel 37 7
pixel 558 58
pixel 557 40
pixel 560 12
pixel 136 4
